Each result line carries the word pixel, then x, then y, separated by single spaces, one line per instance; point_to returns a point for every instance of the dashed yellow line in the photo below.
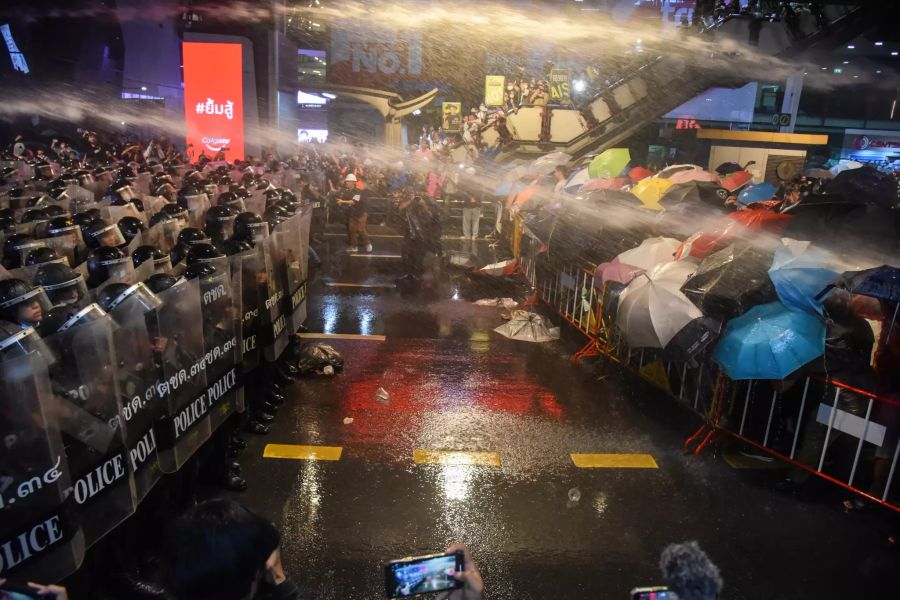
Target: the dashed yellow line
pixel 341 336
pixel 298 452
pixel 614 461
pixel 456 457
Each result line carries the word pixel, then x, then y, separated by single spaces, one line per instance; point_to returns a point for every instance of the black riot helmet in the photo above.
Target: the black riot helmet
pixel 38 201
pixel 272 195
pixel 58 191
pixel 7 213
pixel 263 184
pixel 7 224
pixel 174 211
pixel 62 284
pixel 239 191
pixel 164 190
pixel 34 215
pixel 41 255
pixel 60 226
pixel 289 207
pixel 192 235
pixel 160 282
pixel 130 228
pixel 235 246
pixel 231 200
pixel 289 196
pixel 22 303
pixel 101 233
pixel 202 253
pixel 12 249
pixel 141 254
pixel 54 210
pixel 274 216
pixel 184 193
pixel 220 222
pixel 249 227
pixel 199 271
pixel 103 263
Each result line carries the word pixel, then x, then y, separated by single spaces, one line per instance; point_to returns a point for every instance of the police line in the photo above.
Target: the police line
pixel 128 389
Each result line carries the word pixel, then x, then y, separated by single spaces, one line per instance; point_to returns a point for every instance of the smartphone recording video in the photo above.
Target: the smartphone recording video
pixel 422 574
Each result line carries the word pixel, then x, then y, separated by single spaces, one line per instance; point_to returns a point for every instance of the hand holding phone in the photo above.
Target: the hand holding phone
pixel 652 593
pixel 472 584
pixel 422 574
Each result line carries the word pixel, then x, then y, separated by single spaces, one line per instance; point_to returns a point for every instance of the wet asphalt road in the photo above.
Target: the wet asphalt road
pixel 456 385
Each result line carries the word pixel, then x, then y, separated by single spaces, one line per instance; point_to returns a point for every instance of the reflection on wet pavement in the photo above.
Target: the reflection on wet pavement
pixel 404 485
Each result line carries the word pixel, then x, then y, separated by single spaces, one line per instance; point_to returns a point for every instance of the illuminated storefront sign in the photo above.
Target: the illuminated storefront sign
pixel 213 99
pixel 871 144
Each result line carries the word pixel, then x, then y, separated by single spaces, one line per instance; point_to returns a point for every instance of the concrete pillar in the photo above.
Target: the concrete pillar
pixel 792 90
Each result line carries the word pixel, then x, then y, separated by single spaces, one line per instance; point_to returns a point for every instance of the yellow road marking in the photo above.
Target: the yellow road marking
pixel 614 461
pixel 456 457
pixel 341 336
pixel 302 452
pixel 375 255
pixel 739 461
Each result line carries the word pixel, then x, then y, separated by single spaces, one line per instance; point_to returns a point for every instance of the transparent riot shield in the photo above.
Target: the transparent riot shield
pixel 68 245
pixel 275 321
pixel 153 204
pixel 222 342
pixel 39 530
pixel 256 202
pixel 164 235
pixel 114 214
pixel 179 348
pixel 197 205
pixel 250 269
pixel 85 386
pixel 134 311
pixel 81 197
pixel 142 183
pixel 293 242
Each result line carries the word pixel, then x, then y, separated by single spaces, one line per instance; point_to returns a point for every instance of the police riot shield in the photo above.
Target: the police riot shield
pixel 81 197
pixel 275 321
pixel 114 214
pixel 164 235
pixel 293 243
pixel 249 268
pixel 134 312
pixel 180 350
pixel 39 530
pixel 85 386
pixel 142 183
pixel 222 342
pixel 197 205
pixel 153 204
pixel 256 203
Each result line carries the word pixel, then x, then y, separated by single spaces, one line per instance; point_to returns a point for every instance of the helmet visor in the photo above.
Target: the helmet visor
pixel 29 308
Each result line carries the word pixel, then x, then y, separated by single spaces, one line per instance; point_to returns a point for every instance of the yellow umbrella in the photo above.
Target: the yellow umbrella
pixel 650 191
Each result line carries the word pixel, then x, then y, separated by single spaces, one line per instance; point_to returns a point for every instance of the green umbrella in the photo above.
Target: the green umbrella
pixel 609 163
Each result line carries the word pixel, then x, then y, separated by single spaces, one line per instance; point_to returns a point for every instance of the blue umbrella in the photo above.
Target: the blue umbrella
pixel 769 342
pixel 756 193
pixel 882 282
pixel 799 272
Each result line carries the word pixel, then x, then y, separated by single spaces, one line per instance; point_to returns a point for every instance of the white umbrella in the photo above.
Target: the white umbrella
pixel 578 179
pixel 651 252
pixel 669 171
pixel 845 165
pixel 516 173
pixel 528 327
pixel 545 164
pixel 652 309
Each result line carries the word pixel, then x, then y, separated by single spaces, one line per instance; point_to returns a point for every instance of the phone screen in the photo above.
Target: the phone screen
pixel 8 594
pixel 422 575
pixel 652 593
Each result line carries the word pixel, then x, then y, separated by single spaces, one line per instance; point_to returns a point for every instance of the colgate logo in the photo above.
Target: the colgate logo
pixel 215 144
pixel 863 142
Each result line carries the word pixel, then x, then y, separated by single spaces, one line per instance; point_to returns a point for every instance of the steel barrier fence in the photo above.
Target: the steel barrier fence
pixel 842 433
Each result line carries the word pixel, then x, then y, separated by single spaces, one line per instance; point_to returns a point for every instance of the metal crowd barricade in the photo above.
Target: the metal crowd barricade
pixel 823 426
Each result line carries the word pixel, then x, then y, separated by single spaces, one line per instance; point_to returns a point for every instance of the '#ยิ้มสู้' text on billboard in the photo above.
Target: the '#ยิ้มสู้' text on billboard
pixel 213 99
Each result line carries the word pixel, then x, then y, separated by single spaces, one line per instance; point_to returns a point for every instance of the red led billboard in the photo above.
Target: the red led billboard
pixel 213 99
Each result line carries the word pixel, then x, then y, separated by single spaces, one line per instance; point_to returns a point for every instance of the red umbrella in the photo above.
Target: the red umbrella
pixel 735 181
pixel 604 184
pixel 638 173
pixel 703 243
